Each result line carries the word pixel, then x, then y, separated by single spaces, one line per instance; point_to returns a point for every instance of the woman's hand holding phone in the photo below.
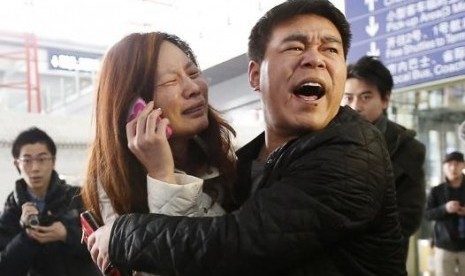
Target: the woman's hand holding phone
pixel 137 107
pixel 89 226
pixel 147 140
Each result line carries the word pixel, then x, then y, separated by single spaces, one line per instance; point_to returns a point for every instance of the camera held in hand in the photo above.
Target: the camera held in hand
pixel 33 220
pixel 42 220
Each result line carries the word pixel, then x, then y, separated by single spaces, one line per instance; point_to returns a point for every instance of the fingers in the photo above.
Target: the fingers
pixel 138 123
pixel 29 209
pixel 145 126
pixel 102 262
pixel 151 123
pixel 99 258
pixel 27 205
pixel 163 127
pixel 93 250
pixel 141 120
pixel 41 235
pixel 41 229
pixel 90 241
pixel 156 125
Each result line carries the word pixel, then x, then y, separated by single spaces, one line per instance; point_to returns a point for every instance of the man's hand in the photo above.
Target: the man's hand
pixel 98 243
pixel 452 206
pixel 44 234
pixel 28 209
pixel 461 211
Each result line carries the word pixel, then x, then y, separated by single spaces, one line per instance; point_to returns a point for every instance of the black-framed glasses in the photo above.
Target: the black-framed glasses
pixel 28 161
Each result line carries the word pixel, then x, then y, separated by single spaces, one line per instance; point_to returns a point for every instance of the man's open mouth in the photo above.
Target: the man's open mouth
pixel 310 91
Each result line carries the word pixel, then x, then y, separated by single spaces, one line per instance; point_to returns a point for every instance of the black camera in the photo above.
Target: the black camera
pixel 33 220
pixel 42 220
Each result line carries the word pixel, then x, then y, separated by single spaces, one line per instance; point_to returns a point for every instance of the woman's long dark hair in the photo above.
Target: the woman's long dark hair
pixel 129 71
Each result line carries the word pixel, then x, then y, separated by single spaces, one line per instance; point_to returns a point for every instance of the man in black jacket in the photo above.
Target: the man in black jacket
pixel 368 91
pixel 325 201
pixel 445 206
pixel 40 231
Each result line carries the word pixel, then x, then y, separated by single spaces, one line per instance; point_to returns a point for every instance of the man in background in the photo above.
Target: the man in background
pixel 368 91
pixel 445 206
pixel 40 231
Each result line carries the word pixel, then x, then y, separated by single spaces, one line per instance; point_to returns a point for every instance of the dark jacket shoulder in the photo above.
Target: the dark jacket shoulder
pixel 327 208
pixel 22 255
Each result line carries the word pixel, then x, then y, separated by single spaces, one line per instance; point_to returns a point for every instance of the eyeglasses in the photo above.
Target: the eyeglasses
pixel 28 161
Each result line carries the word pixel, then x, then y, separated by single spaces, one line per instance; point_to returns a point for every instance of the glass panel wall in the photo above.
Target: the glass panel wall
pixel 435 113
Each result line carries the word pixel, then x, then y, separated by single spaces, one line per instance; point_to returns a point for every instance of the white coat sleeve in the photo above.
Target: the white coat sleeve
pixel 183 199
pixel 106 209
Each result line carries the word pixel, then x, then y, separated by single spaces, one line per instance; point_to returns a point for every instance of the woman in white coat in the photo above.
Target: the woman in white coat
pixel 174 157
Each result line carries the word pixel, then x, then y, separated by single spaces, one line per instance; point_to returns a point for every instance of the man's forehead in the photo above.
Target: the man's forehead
pixel 36 149
pixel 35 154
pixel 298 24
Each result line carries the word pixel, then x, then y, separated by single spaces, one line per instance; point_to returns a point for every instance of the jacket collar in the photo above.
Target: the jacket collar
pixel 21 195
pixel 251 150
pixel 381 123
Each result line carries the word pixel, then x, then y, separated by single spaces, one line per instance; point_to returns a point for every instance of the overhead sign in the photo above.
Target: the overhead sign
pixel 419 41
pixel 59 59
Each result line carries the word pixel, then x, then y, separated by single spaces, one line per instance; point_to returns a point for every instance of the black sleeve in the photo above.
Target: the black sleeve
pixel 410 185
pixel 322 196
pixel 436 205
pixel 17 249
pixel 72 223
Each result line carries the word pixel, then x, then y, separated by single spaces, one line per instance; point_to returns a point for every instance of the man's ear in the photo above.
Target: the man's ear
pixel 386 100
pixel 16 163
pixel 254 75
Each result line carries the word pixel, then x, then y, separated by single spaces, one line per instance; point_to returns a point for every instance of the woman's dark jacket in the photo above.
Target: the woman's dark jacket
pixel 407 158
pixel 326 207
pixel 446 234
pixel 20 255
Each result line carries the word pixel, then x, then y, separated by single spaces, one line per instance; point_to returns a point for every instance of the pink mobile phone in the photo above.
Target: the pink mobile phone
pixel 137 107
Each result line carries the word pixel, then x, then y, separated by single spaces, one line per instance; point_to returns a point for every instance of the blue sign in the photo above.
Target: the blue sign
pixel 419 41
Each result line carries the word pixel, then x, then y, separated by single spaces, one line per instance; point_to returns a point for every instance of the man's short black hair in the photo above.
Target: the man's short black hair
pixel 31 136
pixel 261 32
pixel 372 70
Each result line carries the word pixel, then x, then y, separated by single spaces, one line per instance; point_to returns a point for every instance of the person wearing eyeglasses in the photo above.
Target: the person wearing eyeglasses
pixel 40 231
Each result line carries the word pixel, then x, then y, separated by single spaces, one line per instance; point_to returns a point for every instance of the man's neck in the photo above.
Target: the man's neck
pixel 456 183
pixel 273 140
pixel 381 123
pixel 38 193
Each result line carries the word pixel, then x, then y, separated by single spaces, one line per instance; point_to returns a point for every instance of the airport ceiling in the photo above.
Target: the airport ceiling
pixel 216 29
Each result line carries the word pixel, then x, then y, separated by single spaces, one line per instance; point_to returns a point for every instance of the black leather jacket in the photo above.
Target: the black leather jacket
pixel 21 255
pixel 327 207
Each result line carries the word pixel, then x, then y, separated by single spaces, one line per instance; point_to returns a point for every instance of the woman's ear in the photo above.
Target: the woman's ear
pixel 254 75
